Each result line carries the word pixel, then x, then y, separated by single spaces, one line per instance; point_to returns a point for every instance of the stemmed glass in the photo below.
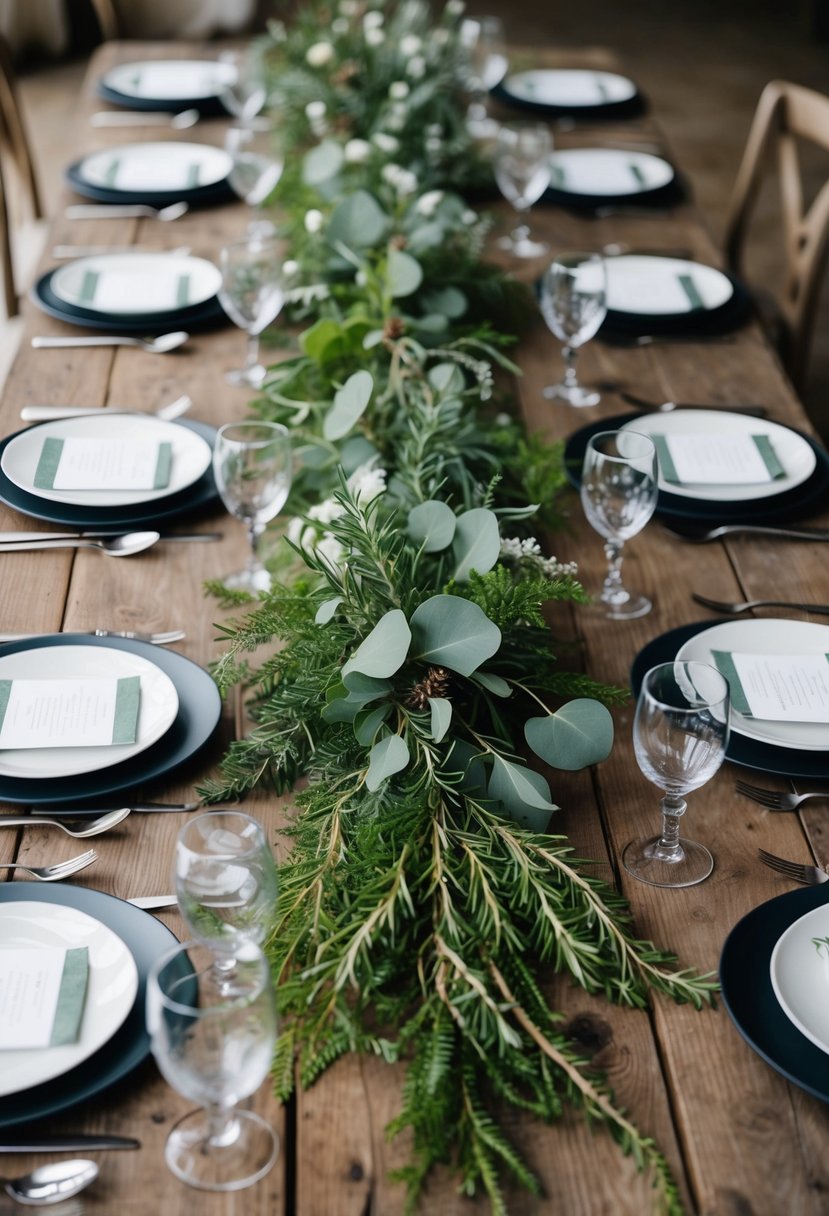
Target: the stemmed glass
pixel 256 168
pixel 522 171
pixel 214 1048
pixel 252 467
pixel 252 296
pixel 619 486
pixel 244 95
pixel 574 304
pixel 680 733
pixel 484 47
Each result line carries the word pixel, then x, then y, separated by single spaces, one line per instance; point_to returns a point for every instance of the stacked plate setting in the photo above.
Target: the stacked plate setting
pixel 585 179
pixel 662 295
pixel 134 293
pixel 571 92
pixel 155 174
pixel 168 84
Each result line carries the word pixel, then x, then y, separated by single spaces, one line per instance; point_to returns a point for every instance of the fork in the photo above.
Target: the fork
pixel 54 873
pixel 796 870
pixel 746 605
pixel 667 407
pixel 774 800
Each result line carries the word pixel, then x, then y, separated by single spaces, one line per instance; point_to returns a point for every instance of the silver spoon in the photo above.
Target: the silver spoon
pixel 120 118
pixel 107 211
pixel 45 413
pixel 51 1183
pixel 153 346
pixel 93 827
pixel 113 546
pixel 62 252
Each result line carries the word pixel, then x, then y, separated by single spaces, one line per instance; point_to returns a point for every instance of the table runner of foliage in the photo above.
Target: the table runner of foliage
pixel 425 900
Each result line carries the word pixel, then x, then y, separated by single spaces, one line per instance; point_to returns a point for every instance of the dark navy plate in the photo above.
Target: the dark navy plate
pixel 207 315
pixel 196 196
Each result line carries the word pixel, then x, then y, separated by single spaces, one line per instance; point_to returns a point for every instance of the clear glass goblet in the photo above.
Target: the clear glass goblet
pixel 256 169
pixel 245 93
pixel 252 295
pixel 522 170
pixel 619 487
pixel 574 304
pixel 485 66
pixel 214 1048
pixel 252 465
pixel 680 734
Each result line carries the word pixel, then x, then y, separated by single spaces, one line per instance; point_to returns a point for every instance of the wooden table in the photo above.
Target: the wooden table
pixel 738 1137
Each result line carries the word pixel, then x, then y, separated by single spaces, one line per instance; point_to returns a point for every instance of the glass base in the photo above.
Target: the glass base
pixel 523 248
pixel 243 1155
pixel 247 377
pixel 573 394
pixel 625 610
pixel 645 860
pixel 254 579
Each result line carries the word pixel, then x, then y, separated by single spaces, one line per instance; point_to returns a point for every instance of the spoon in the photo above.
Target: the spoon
pixel 113 546
pixel 45 413
pixel 51 1183
pixel 118 118
pixel 61 252
pixel 98 211
pixel 153 346
pixel 93 827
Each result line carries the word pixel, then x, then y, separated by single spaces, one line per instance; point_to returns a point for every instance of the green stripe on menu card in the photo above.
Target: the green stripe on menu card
pixel 183 290
pixel 111 171
pixel 688 285
pixel 71 997
pixel 89 285
pixel 666 465
pixel 601 88
pixel 637 174
pixel 127 700
pixel 5 693
pixel 770 457
pixel 558 175
pixel 162 468
pixel 724 662
pixel 47 466
pixel 193 173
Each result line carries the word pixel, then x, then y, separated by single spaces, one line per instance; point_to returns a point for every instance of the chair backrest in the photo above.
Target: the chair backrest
pixel 107 18
pixel 785 114
pixel 13 130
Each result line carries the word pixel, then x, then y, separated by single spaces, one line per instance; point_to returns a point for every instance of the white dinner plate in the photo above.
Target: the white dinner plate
pixel 610 172
pixel 794 453
pixel 566 87
pixel 771 636
pixel 155 168
pixel 111 991
pixel 191 456
pixel 638 283
pixel 122 284
pixel 800 975
pixel 170 79
pixel 157 710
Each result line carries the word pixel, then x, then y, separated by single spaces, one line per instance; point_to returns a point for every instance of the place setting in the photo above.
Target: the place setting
pixel 230 84
pixel 155 174
pixel 575 93
pixel 595 179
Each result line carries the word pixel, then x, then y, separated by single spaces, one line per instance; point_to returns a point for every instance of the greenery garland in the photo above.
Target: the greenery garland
pixel 424 898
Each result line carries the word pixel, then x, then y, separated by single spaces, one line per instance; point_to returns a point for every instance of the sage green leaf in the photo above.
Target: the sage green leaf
pixel 441 716
pixel 477 542
pixel 385 759
pixel 384 651
pixel 340 710
pixel 365 688
pixel 452 632
pixel 467 763
pixel 431 525
pixel 373 338
pixel 349 405
pixel 426 236
pixel 492 683
pixel 368 722
pixel 446 377
pixel 449 302
pixel 321 334
pixel 403 274
pixel 578 734
pixel 326 610
pixel 430 325
pixel 523 793
pixel 356 451
pixel 358 221
pixel 322 163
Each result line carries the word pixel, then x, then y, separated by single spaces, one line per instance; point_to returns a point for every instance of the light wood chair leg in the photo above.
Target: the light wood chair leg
pixel 14 130
pixel 107 19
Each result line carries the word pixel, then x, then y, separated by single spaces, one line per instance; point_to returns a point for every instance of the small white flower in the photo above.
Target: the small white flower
pixel 398 89
pixel 295 529
pixel 361 278
pixel 502 420
pixel 454 8
pixel 315 110
pixel 375 37
pixel 433 146
pixel 372 20
pixel 313 220
pixel 396 122
pixel 440 37
pixel 324 512
pixel 410 44
pixel 319 54
pixel 403 180
pixel 434 130
pixel 357 151
pixel 367 482
pixel 416 67
pixel 329 549
pixel 469 217
pixel 386 143
pixel 427 204
pixel 290 268
pixel 339 26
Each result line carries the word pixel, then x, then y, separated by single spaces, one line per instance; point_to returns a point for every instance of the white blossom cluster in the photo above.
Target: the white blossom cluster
pixel 527 549
pixel 365 484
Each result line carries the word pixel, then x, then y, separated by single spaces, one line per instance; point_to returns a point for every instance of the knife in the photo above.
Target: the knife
pixel 67 1144
pixel 23 538
pixel 697 537
pixel 149 902
pixel 137 808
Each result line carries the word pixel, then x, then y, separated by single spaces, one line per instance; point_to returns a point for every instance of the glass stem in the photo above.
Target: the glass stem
pixel 570 381
pixel 223 1126
pixel 252 357
pixel 613 591
pixel 672 808
pixel 255 531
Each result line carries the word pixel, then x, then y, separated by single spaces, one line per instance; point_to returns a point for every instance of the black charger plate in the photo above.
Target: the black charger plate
pixel 196 196
pixel 671 194
pixel 207 315
pixel 198 715
pixel 206 106
pixel 157 513
pixel 629 108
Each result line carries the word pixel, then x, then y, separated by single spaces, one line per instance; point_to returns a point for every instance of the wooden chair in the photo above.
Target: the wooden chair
pixel 15 143
pixel 107 19
pixel 785 114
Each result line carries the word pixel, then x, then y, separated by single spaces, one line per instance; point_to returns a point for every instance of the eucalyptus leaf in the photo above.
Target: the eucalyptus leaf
pixel 356 451
pixel 385 759
pixel 340 711
pixel 578 734
pixel 384 651
pixel 368 722
pixel 319 337
pixel 449 302
pixel 358 221
pixel 322 163
pixel 446 377
pixel 433 323
pixel 431 525
pixel 373 338
pixel 326 610
pixel 364 688
pixel 492 683
pixel 350 403
pixel 523 793
pixel 426 236
pixel 477 542
pixel 403 273
pixel 467 763
pixel 455 633
pixel 441 717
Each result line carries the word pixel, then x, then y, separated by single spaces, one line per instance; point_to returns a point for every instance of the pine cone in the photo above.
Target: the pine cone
pixel 394 328
pixel 434 684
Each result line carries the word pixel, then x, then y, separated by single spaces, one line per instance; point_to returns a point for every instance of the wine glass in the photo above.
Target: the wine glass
pixel 522 171
pixel 245 93
pixel 618 492
pixel 574 304
pixel 214 1048
pixel 485 66
pixel 680 733
pixel 252 295
pixel 256 167
pixel 252 467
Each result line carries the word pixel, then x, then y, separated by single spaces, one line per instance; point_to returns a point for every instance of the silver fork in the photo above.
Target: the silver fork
pixel 796 870
pixel 54 873
pixel 747 605
pixel 773 800
pixel 157 639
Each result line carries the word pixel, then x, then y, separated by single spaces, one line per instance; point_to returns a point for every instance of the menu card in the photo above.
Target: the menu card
pixel 103 464
pixel 721 460
pixel 42 995
pixel 777 687
pixel 147 291
pixel 91 712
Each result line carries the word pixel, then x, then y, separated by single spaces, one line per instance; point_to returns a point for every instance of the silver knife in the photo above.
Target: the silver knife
pixel 67 1144
pixel 137 808
pixel 12 538
pixel 750 530
pixel 150 902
